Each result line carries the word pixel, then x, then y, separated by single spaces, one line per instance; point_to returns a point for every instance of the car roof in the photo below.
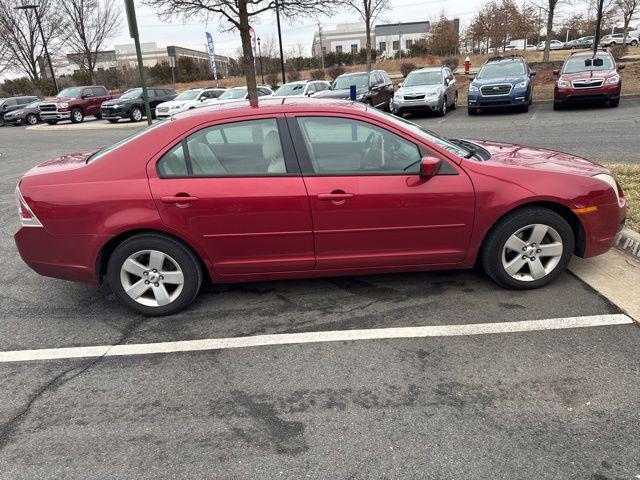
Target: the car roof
pixel 590 53
pixel 500 59
pixel 238 108
pixel 429 69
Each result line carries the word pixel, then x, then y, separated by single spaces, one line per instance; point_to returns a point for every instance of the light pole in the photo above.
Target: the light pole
pixel 44 41
pixel 133 33
pixel 260 57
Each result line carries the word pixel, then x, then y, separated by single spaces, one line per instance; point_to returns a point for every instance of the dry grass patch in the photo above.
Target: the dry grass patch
pixel 628 176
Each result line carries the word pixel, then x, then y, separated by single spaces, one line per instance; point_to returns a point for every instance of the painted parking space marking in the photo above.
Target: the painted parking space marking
pixel 313 337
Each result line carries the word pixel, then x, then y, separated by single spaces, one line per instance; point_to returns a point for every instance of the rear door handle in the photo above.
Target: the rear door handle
pixel 179 199
pixel 333 197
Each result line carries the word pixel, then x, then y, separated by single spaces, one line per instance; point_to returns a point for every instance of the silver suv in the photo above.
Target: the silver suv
pixel 432 89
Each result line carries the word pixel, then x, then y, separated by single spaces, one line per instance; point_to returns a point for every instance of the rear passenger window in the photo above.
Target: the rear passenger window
pixel 248 148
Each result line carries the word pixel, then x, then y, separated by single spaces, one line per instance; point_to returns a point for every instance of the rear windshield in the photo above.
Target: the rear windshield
pixel 589 64
pixel 344 82
pixel 500 70
pixel 101 153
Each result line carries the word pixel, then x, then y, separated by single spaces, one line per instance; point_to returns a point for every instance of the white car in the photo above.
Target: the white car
pixel 241 93
pixel 302 88
pixel 553 45
pixel 188 100
pixel 617 38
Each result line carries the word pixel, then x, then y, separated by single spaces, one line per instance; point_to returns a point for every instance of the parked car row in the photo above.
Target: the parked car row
pixel 633 40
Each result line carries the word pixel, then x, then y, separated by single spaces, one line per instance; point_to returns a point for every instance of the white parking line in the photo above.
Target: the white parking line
pixel 313 337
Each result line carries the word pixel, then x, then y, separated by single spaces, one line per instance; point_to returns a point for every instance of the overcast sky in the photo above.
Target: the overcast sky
pixel 191 33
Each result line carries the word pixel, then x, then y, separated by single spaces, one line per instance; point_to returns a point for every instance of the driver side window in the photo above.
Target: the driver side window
pixel 343 146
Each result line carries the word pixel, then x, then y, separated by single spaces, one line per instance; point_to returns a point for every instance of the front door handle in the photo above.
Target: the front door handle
pixel 180 199
pixel 335 197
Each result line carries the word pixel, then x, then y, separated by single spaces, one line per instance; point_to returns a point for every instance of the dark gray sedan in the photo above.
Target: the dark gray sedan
pixel 28 115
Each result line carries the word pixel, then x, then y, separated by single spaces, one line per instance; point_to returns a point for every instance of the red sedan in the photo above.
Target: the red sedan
pixel 306 188
pixel 588 77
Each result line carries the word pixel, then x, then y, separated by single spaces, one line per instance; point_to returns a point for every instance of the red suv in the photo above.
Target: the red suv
pixel 587 77
pixel 292 188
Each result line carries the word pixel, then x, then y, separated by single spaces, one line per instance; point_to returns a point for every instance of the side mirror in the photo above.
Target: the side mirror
pixel 429 167
pixel 399 85
pixel 621 66
pixel 556 72
pixel 532 73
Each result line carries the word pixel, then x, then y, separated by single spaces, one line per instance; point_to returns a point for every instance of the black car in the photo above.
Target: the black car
pixel 14 103
pixel 374 88
pixel 131 104
pixel 28 115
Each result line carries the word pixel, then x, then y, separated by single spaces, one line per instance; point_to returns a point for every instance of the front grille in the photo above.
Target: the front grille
pixel 491 90
pixel 51 107
pixel 414 97
pixel 162 109
pixel 108 110
pixel 589 83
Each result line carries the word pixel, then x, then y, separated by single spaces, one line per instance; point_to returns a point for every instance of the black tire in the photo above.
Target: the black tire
pixel 181 254
pixel 472 111
pixel 614 103
pixel 443 108
pixel 98 116
pixel 112 120
pixel 634 43
pixel 492 248
pixel 524 108
pixel 77 116
pixel 558 106
pixel 612 44
pixel 32 119
pixel 136 114
pixel 2 122
pixel 52 122
pixel 455 102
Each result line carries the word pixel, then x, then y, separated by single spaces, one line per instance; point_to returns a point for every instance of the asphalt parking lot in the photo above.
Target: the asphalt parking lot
pixel 545 403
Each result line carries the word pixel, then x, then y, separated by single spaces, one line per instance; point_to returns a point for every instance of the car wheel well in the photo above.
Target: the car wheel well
pixel 108 248
pixel 562 210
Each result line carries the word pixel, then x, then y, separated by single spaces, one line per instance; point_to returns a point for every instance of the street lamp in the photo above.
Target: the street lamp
pixel 44 41
pixel 260 57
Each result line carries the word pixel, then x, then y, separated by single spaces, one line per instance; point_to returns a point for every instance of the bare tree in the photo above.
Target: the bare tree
pixel 551 10
pixel 22 39
pixel 369 11
pixel 238 14
pixel 627 9
pixel 91 24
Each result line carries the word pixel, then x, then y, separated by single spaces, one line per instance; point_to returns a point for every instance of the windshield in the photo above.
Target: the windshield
pixel 101 153
pixel 589 64
pixel 500 70
pixel 344 82
pixel 72 92
pixel 131 94
pixel 33 104
pixel 290 89
pixel 421 132
pixel 234 94
pixel 188 95
pixel 423 78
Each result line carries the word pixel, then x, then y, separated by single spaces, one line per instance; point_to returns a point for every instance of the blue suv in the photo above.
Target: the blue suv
pixel 502 82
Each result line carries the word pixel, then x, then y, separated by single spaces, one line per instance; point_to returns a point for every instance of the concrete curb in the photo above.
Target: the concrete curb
pixel 628 242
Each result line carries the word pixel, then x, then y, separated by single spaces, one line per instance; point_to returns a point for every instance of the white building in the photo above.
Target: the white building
pixel 343 38
pixel 392 38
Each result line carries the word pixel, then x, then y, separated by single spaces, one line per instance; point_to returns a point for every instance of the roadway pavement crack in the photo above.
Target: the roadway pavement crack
pixel 8 429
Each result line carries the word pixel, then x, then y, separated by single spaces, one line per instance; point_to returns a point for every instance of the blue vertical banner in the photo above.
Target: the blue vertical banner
pixel 212 54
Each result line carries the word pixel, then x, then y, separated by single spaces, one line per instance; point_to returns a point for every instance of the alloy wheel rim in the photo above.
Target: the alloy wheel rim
pixel 152 278
pixel 77 115
pixel 32 120
pixel 532 252
pixel 137 115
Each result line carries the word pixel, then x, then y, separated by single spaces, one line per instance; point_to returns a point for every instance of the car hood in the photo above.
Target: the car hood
pixel 539 158
pixel 492 81
pixel 59 100
pixel 184 103
pixel 341 93
pixel 64 163
pixel 117 101
pixel 590 74
pixel 420 89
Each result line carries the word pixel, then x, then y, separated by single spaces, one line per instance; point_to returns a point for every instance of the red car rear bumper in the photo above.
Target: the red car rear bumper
pixel 69 257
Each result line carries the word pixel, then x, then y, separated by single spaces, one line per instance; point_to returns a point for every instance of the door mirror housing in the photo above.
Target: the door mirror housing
pixel 621 66
pixel 429 167
pixel 532 73
pixel 556 72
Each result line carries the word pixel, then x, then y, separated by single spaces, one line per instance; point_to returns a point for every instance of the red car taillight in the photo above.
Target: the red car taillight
pixel 27 217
